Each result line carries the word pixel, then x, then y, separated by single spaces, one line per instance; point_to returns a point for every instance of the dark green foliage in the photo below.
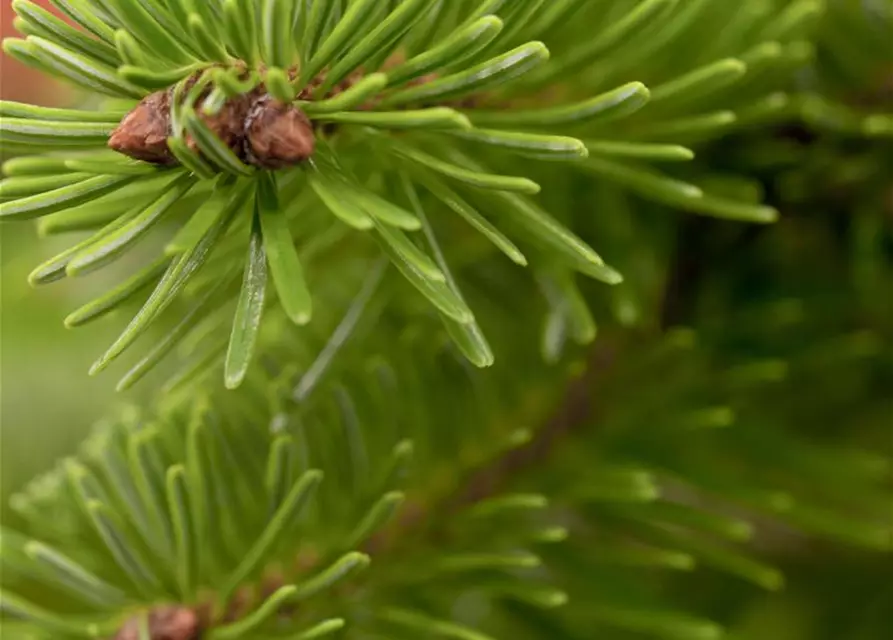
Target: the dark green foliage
pixel 519 451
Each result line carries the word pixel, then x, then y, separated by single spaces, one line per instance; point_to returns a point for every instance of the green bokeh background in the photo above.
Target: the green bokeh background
pixel 48 402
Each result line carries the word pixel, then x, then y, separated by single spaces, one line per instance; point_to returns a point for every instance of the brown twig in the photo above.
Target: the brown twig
pixel 164 623
pixel 575 410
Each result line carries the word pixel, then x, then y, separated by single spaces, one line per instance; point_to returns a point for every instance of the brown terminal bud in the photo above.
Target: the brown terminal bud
pixel 143 132
pixel 165 623
pixel 277 135
pixel 227 124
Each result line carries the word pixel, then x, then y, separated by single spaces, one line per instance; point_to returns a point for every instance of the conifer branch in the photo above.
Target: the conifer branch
pixel 401 461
